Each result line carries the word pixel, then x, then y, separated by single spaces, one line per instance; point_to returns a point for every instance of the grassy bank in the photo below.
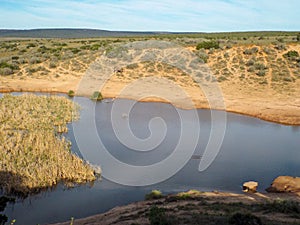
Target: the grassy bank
pixel 34 155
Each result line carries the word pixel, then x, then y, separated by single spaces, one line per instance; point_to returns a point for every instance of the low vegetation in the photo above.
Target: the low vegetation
pixel 154 194
pixel 195 208
pixel 71 93
pixel 35 155
pixel 291 54
pixel 157 216
pixel 73 57
pixel 208 45
pixel 97 96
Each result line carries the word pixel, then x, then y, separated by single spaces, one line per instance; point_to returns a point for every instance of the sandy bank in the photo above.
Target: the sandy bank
pixel 283 111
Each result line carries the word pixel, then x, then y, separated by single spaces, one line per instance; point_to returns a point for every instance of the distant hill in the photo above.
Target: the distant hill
pixel 96 33
pixel 69 33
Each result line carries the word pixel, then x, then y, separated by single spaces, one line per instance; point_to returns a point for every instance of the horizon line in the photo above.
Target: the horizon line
pixel 142 31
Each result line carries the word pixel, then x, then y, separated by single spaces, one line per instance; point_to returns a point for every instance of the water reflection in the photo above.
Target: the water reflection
pixel 252 150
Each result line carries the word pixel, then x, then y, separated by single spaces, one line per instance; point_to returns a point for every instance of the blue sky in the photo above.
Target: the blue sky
pixel 153 15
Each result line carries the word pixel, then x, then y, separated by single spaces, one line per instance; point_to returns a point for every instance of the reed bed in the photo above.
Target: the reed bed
pixel 34 155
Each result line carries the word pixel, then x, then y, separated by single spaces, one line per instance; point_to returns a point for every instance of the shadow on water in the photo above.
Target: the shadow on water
pixel 13 184
pixel 4 200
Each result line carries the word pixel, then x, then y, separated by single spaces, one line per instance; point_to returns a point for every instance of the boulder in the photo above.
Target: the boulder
pixel 250 186
pixel 285 184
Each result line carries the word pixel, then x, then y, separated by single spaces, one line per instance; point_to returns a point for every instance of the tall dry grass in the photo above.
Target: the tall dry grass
pixel 33 155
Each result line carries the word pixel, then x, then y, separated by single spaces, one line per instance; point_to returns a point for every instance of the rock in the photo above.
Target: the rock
pixel 97 171
pixel 285 184
pixel 250 186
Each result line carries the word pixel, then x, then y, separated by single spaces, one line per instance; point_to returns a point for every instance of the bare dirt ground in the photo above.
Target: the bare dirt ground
pixel 262 83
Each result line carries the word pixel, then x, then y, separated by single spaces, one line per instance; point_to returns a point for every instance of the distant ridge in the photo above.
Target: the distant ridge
pixel 70 33
pixel 97 33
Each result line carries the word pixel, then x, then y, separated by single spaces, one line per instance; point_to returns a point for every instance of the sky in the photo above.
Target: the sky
pixel 152 15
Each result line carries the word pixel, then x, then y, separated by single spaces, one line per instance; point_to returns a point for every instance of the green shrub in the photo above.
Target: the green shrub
pixel 281 40
pixel 251 69
pixel 31 45
pixel 15 57
pixel 260 66
pixel 22 61
pixel 157 216
pixel 280 47
pixel 154 194
pixel 95 47
pixel 208 45
pixel 6 71
pixel 250 62
pixel 7 65
pixel 251 51
pixel 244 219
pixel 71 93
pixel 261 73
pixel 43 49
pixel 203 56
pixel 228 46
pixel 23 51
pixel 298 37
pixel 263 82
pixel 35 60
pixel 60 44
pixel 291 54
pixel 288 79
pixel 52 65
pixel 75 50
pixel 267 51
pixel 97 96
pixel 242 76
pixel 132 66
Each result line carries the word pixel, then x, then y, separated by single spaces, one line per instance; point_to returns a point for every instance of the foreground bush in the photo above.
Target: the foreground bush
pixel 157 216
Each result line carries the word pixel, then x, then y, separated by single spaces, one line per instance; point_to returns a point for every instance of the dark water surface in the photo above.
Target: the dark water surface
pixel 252 150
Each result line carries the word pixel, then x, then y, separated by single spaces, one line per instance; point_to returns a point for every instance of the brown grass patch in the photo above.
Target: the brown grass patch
pixel 34 155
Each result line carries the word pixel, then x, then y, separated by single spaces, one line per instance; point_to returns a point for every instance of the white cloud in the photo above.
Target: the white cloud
pixel 163 15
